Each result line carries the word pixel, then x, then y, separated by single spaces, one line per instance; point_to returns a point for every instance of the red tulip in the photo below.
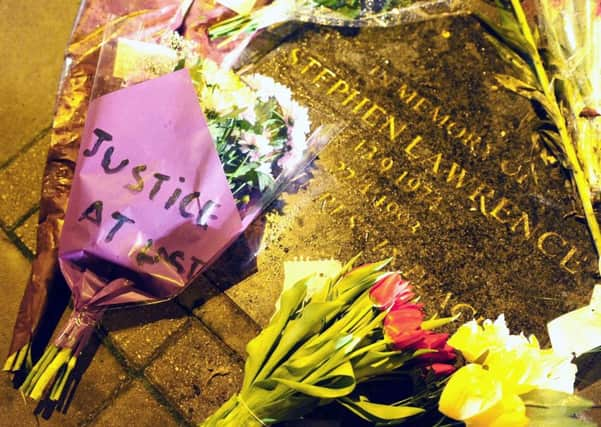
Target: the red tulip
pixel 442 369
pixel 391 291
pixel 403 326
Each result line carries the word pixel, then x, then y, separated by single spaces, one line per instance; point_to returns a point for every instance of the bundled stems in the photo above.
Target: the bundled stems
pixel 16 360
pixel 55 365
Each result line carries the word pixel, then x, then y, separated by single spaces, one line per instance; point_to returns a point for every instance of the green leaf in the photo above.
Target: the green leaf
pixel 263 180
pixel 375 363
pixel 378 413
pixel 511 57
pixel 180 64
pixel 557 422
pixel 553 403
pixel 309 322
pixel 437 323
pixel 260 348
pixel 359 279
pixel 339 382
pixel 300 366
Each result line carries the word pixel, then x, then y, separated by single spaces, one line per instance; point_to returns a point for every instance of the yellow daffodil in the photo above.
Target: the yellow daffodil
pixel 473 340
pixel 477 398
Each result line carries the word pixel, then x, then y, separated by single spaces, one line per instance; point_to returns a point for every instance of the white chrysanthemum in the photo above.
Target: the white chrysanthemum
pixel 223 91
pixel 295 115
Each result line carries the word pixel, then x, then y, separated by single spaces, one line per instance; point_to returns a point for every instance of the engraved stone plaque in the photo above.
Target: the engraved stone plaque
pixel 434 166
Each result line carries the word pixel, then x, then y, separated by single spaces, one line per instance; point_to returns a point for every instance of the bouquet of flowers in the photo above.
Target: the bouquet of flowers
pixel 326 339
pixel 347 13
pixel 331 336
pixel 558 67
pixel 171 169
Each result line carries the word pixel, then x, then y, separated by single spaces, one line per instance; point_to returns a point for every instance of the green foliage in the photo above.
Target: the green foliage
pixel 316 349
pixel 555 408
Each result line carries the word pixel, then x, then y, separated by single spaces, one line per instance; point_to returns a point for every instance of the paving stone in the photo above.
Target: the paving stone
pixel 135 406
pixel 32 41
pixel 21 183
pixel 95 386
pixel 139 331
pixel 27 232
pixel 197 373
pixel 13 277
pixel 222 316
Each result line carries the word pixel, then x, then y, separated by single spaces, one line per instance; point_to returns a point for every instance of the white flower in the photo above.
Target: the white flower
pixel 295 116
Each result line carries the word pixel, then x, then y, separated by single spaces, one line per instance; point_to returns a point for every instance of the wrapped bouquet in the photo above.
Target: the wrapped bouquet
pixel 332 336
pixel 172 167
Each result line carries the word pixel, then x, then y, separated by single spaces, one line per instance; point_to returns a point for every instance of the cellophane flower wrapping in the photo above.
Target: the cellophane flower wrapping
pixel 178 155
pixel 252 17
pixel 552 48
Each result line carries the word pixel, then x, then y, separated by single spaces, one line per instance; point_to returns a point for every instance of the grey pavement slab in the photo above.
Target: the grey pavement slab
pixel 21 183
pixel 26 232
pixel 139 332
pixel 197 374
pixel 33 37
pixel 135 406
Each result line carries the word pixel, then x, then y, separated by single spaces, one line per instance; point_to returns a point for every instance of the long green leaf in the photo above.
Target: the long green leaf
pixel 555 403
pixel 339 382
pixel 260 348
pixel 309 322
pixel 378 413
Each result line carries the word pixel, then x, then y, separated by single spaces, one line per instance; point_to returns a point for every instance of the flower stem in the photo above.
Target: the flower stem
pixel 48 368
pixel 574 166
pixel 37 369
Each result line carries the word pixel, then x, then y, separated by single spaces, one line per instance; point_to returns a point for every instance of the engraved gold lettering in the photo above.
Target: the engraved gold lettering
pixel 406 97
pixel 567 258
pixel 365 188
pixel 374 108
pixel 311 64
pixel 400 178
pixel 392 131
pixel 524 220
pixel 481 194
pixel 544 243
pixel 413 184
pixel 359 105
pixel 386 164
pixel 340 86
pixel 502 210
pixel 435 160
pixel 458 309
pixel 415 273
pixel 513 171
pixel 452 175
pixel 383 75
pixel 417 106
pixel 411 146
pixel 294 56
pixel 440 121
pixel 323 73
